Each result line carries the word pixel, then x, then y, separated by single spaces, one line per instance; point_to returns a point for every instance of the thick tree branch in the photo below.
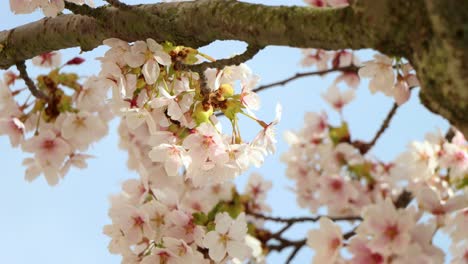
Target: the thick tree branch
pixel 194 24
pixel 117 4
pixel 434 39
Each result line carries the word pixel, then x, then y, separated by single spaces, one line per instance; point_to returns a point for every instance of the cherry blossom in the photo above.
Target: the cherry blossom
pixel 326 241
pixel 227 238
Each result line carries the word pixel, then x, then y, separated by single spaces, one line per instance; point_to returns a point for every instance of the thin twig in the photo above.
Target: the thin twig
pixel 364 147
pixel 403 199
pixel 248 54
pixel 296 250
pixel 29 83
pixel 351 68
pixel 303 219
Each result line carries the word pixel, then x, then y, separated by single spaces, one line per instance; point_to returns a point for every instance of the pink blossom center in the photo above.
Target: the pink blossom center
pixel 48 144
pixel 460 156
pixel 208 141
pixel 335 243
pixel 376 258
pixel 189 228
pixel 46 58
pixel 163 257
pixel 391 232
pixel 138 221
pixel 336 185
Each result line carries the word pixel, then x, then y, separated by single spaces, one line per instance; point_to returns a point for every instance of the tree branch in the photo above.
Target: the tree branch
pixel 117 4
pixel 303 219
pixel 433 39
pixel 305 74
pixel 193 24
pixel 248 54
pixel 29 83
pixel 365 147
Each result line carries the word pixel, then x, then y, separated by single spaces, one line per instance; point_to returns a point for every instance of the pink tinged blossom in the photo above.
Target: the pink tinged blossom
pixel 389 228
pixel 325 241
pixel 48 147
pixel 257 187
pixel 160 255
pixel 409 77
pixel 92 95
pixel 362 254
pixel 336 190
pixel 136 56
pixel 135 117
pixel 338 99
pixel 456 158
pixel 350 78
pixel 134 223
pixel 14 128
pixel 77 160
pixel 118 243
pixel 418 162
pixel 422 235
pixel 401 92
pixel 460 253
pixel 206 145
pixel 456 226
pixel 51 8
pixel 35 168
pixel 182 226
pixel 174 157
pixel 248 98
pixel 318 57
pixel 316 3
pixel 431 201
pixel 83 128
pixel 265 139
pixel 48 60
pixel 176 105
pixel 23 6
pixel 338 3
pixel 381 73
pixel 227 238
pixel 157 216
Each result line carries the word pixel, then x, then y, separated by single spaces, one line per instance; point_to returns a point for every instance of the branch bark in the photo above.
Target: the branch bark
pixel 432 34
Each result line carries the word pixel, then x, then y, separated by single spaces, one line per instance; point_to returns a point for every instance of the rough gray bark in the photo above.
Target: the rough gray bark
pixel 432 34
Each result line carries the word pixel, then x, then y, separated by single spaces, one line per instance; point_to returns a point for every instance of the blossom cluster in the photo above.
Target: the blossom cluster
pixel 176 144
pixel 57 130
pixel 332 173
pixel 394 78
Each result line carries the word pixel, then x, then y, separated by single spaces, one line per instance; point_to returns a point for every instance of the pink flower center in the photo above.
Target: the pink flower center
pixel 336 185
pixel 335 243
pixel 208 141
pixel 391 232
pixel 48 144
pixel 163 257
pixel 46 58
pixel 460 156
pixel 377 258
pixel 138 221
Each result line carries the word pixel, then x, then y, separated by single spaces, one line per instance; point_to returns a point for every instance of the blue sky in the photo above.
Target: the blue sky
pixel 63 224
